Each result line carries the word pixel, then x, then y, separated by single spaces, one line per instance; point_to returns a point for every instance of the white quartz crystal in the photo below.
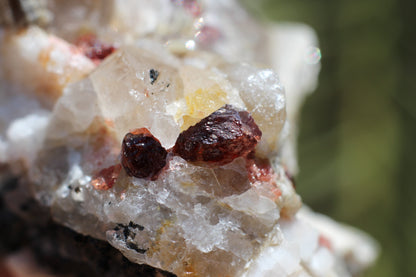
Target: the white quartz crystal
pixel 63 118
pixel 41 63
pixel 264 97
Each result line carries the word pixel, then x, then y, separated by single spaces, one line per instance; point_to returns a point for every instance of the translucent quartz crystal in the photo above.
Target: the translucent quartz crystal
pixel 267 107
pixel 205 91
pixel 216 27
pixel 129 98
pixel 211 221
pixel 63 119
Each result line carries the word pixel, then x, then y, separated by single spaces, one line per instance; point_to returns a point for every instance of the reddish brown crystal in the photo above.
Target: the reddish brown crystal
pixel 106 178
pixel 219 138
pixel 142 155
pixel 93 48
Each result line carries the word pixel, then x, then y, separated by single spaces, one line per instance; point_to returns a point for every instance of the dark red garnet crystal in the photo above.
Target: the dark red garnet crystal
pixel 219 138
pixel 142 155
pixel 94 48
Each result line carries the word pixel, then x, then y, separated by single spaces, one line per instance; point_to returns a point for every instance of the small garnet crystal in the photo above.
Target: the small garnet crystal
pixel 142 155
pixel 93 48
pixel 106 178
pixel 219 138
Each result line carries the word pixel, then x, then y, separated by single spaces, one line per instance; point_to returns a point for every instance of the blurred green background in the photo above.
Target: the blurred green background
pixel 358 130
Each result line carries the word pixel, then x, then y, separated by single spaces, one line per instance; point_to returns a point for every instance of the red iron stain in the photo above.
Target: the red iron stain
pixel 325 242
pixel 263 177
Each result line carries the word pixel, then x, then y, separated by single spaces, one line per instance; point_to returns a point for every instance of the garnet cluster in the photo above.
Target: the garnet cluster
pixel 218 139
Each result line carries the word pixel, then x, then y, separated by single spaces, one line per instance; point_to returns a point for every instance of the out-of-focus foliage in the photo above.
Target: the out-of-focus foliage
pixel 358 130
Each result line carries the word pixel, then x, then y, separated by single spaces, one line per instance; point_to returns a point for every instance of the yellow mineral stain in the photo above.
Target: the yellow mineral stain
pixel 155 247
pixel 201 103
pixel 45 56
pixel 187 184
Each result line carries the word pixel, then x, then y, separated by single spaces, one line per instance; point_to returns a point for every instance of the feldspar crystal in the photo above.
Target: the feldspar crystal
pixel 155 132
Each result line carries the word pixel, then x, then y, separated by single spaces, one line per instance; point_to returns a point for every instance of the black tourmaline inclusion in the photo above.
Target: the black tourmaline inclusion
pixel 153 76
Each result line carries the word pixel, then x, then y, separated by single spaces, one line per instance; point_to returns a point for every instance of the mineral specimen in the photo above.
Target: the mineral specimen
pixel 142 155
pixel 219 138
pixel 219 201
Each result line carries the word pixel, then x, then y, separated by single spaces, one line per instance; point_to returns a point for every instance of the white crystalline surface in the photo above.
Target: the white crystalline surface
pixel 62 128
pixel 210 221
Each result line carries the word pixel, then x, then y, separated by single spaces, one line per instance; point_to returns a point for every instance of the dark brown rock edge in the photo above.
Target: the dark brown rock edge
pixel 57 248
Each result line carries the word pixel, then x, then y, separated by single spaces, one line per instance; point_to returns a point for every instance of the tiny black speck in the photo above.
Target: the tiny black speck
pixel 77 189
pixel 167 85
pixel 153 75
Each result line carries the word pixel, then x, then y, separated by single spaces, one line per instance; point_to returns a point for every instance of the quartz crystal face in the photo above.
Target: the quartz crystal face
pixel 147 124
pixel 267 108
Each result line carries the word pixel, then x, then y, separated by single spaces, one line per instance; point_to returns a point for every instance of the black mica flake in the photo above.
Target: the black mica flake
pixel 153 75
pixel 129 235
pixel 135 248
pixel 136 226
pixel 128 229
